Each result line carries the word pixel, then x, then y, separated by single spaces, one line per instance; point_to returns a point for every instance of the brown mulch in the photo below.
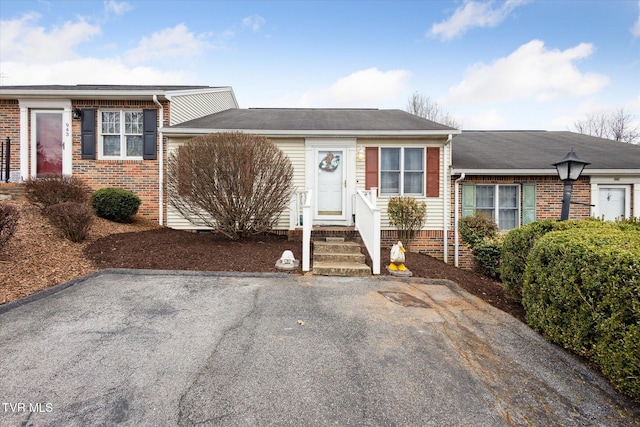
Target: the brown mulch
pixel 37 258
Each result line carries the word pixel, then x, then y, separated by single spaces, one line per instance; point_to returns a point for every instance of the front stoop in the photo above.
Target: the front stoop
pixel 339 259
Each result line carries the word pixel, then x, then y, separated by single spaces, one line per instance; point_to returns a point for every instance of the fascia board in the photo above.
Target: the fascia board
pixel 81 94
pixel 458 171
pixel 171 93
pixel 541 172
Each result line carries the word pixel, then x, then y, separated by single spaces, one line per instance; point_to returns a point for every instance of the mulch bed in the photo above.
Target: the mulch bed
pixel 168 249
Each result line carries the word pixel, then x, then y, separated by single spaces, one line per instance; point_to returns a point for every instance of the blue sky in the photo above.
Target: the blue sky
pixel 514 64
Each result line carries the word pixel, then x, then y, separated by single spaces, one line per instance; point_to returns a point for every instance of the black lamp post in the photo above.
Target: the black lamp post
pixel 569 169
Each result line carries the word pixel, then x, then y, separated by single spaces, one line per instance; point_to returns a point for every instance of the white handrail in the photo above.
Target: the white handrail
pixel 368 224
pixel 306 231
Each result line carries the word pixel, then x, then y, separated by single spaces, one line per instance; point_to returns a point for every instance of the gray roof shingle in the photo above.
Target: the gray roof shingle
pixel 322 119
pixel 502 150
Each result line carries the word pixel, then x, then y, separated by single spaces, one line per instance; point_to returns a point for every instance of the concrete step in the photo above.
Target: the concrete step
pixel 320 246
pixel 338 257
pixel 349 269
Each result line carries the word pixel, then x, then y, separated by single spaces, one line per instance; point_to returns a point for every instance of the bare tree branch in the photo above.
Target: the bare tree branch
pixel 619 125
pixel 424 107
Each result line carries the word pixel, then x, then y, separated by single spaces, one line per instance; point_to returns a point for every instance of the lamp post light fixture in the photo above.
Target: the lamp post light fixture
pixel 569 170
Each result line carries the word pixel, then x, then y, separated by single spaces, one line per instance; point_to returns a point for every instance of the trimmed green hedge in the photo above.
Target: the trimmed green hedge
pixel 518 243
pixel 115 204
pixel 582 290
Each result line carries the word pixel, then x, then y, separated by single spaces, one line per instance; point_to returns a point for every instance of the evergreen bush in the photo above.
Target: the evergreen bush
pixel 488 254
pixel 476 229
pixel 518 243
pixel 480 234
pixel 115 204
pixel 582 290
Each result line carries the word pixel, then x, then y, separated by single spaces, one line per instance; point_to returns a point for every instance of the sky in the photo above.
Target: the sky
pixel 514 64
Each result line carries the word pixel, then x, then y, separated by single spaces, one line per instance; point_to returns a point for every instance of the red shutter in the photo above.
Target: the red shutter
pixel 371 168
pixel 433 171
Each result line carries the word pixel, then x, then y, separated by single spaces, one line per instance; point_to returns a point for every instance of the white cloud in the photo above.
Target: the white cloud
pixel 255 22
pixel 23 40
pixel 473 14
pixel 87 71
pixel 32 54
pixel 489 119
pixel 531 71
pixel 635 30
pixel 113 7
pixel 365 88
pixel 176 42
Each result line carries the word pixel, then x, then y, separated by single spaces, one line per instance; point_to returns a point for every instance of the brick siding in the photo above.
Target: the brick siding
pixel 137 176
pixel 549 192
pixel 10 127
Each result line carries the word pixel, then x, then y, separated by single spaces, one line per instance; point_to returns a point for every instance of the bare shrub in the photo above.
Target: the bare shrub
pixel 72 219
pixel 408 215
pixel 235 183
pixel 51 189
pixel 9 216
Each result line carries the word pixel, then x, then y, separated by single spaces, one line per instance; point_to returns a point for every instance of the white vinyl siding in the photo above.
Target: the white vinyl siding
pixel 192 106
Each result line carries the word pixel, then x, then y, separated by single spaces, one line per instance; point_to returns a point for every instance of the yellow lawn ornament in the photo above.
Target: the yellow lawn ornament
pixel 397 257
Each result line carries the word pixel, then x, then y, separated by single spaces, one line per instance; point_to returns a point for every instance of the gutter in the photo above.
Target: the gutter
pixel 446 204
pixel 188 132
pixel 456 216
pixel 160 163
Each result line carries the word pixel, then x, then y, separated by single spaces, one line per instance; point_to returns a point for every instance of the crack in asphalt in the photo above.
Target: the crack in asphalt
pixel 182 417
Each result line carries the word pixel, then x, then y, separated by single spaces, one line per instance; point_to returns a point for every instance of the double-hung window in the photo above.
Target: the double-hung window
pixel 402 171
pixel 499 202
pixel 121 134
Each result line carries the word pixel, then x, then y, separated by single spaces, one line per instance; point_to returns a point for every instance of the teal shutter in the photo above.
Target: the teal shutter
pixel 528 203
pixel 468 199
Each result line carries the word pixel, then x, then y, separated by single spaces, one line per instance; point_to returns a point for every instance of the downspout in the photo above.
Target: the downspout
pixel 446 202
pixel 456 215
pixel 160 164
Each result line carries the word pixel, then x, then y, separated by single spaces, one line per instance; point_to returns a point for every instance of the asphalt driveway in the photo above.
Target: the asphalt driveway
pixel 165 349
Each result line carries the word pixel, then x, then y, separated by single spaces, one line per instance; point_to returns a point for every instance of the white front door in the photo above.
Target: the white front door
pixel 331 184
pixel 330 171
pixel 612 202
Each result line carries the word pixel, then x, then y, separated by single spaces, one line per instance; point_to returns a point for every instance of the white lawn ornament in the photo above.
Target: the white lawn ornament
pixel 287 261
pixel 397 257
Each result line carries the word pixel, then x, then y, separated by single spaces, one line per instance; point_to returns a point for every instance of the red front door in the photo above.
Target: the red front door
pixel 49 143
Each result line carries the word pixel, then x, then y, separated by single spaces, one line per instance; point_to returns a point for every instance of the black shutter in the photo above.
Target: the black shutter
pixel 88 134
pixel 150 127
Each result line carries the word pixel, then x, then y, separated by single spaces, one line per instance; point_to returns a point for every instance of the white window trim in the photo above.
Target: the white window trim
pixel 402 172
pixel 123 143
pixel 496 202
